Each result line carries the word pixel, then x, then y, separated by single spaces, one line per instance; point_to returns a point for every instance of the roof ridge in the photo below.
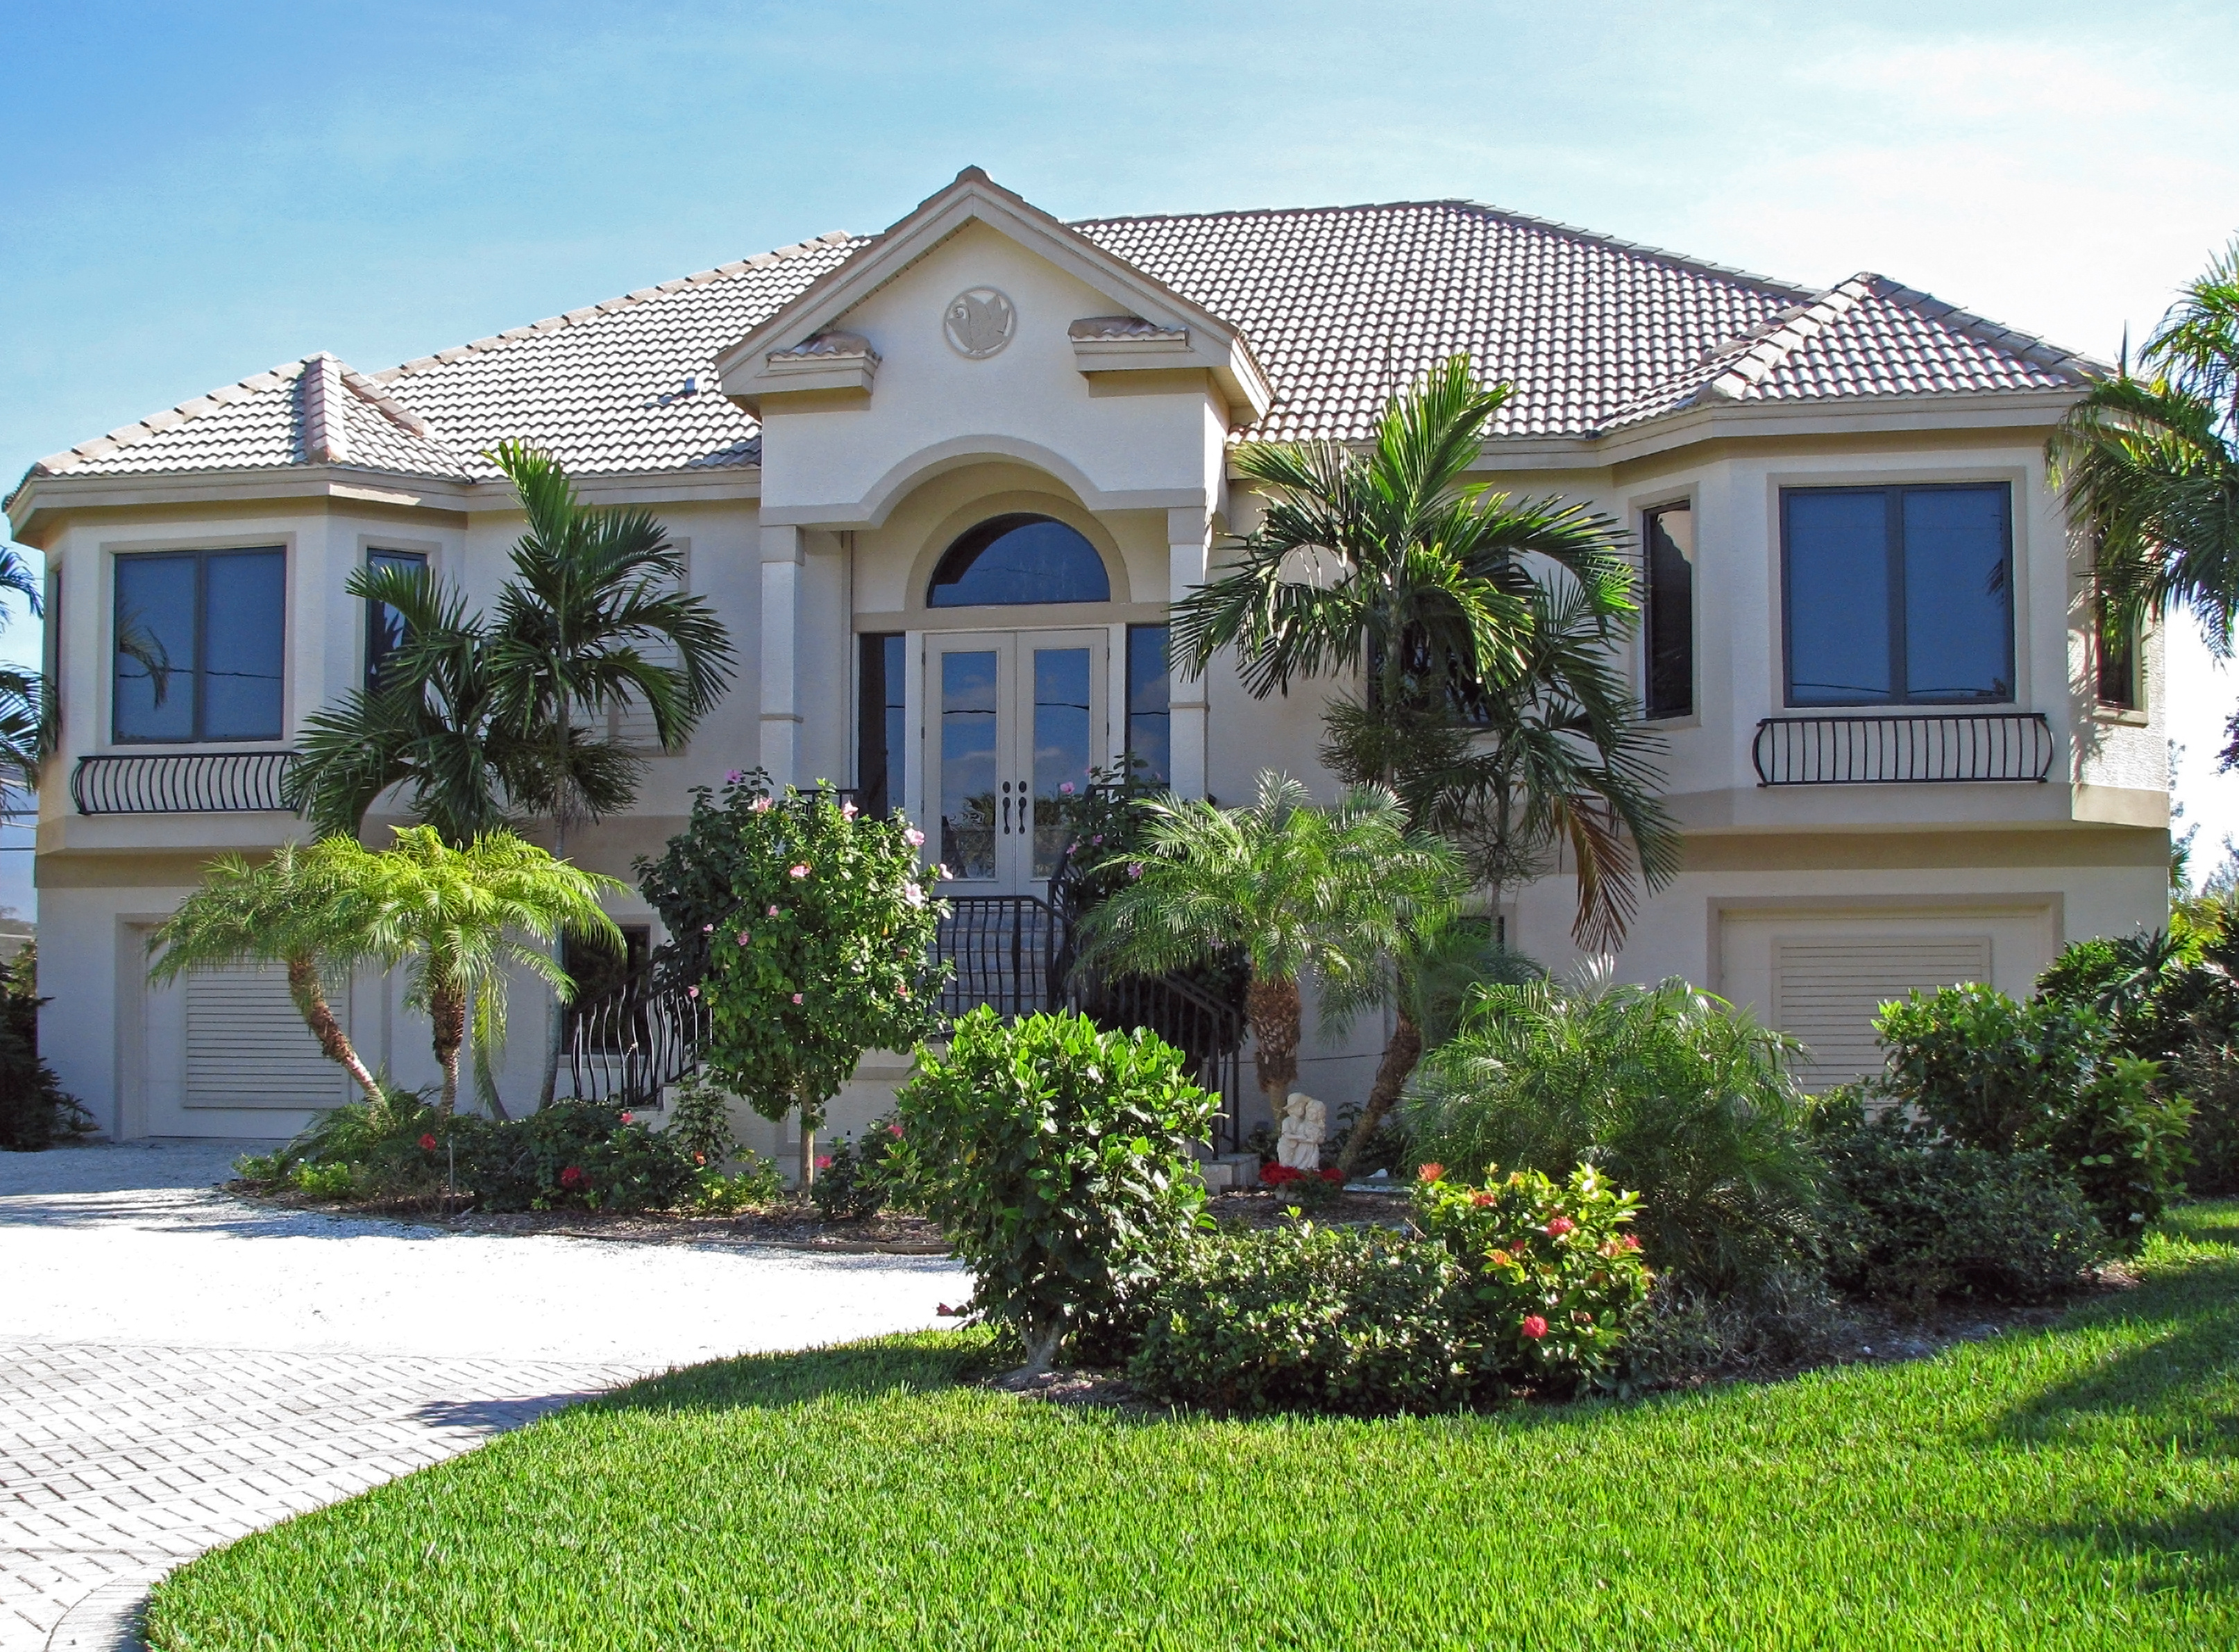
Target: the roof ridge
pixel 126 436
pixel 1661 255
pixel 605 307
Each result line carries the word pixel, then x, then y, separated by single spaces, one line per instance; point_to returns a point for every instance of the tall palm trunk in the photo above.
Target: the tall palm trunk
pixel 1401 1052
pixel 309 993
pixel 1271 1007
pixel 446 1009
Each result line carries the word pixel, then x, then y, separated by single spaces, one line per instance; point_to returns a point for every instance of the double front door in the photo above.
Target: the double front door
pixel 1018 725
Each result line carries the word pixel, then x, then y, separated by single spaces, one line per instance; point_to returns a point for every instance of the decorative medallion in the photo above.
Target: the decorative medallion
pixel 980 321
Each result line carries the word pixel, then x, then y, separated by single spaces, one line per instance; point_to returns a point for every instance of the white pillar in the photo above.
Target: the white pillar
pixel 1188 538
pixel 781 724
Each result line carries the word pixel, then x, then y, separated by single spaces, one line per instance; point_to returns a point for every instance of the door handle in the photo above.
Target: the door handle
pixel 1007 808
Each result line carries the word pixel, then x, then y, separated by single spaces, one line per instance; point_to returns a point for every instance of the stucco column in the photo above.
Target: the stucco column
pixel 1188 538
pixel 781 724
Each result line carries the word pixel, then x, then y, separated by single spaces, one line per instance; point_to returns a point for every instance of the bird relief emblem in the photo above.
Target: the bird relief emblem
pixel 980 321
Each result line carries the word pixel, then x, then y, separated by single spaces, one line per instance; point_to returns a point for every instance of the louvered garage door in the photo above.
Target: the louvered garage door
pixel 1826 989
pixel 247 1046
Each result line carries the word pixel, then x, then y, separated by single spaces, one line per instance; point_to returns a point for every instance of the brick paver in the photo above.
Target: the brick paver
pixel 118 1462
pixel 178 1369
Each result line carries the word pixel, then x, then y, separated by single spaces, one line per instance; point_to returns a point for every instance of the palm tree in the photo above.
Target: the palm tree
pixel 459 919
pixel 296 909
pixel 1493 704
pixel 1303 892
pixel 431 724
pixel 591 591
pixel 480 717
pixel 1430 979
pixel 2150 469
pixel 27 734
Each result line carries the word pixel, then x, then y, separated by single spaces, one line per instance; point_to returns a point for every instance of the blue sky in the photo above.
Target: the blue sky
pixel 190 194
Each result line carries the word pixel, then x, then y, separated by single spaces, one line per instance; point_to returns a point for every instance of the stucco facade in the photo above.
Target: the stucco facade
pixel 873 442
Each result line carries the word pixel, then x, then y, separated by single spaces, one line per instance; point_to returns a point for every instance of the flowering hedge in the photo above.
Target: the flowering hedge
pixel 810 930
pixel 1552 1278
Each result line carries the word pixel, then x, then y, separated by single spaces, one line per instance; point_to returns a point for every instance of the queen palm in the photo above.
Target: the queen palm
pixel 296 910
pixel 1303 892
pixel 1493 701
pixel 26 727
pixel 459 920
pixel 2150 466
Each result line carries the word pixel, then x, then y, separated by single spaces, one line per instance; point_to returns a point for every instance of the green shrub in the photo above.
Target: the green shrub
pixel 584 1154
pixel 1302 1317
pixel 1911 1215
pixel 1664 1090
pixel 2043 1076
pixel 391 1149
pixel 700 1122
pixel 852 1182
pixel 36 1111
pixel 1551 1278
pixel 1683 1332
pixel 756 1184
pixel 1056 1159
pixel 2207 1074
pixel 324 1181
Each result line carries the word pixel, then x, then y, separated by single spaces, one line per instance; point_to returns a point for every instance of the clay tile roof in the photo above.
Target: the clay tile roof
pixel 1341 305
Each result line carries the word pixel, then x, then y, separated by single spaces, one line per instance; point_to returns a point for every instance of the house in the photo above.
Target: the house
pixel 943 483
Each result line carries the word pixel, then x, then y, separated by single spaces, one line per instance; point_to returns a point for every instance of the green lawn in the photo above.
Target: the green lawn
pixel 2074 1487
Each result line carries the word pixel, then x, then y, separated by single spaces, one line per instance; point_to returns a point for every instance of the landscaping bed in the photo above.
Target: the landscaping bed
pixel 2069 1484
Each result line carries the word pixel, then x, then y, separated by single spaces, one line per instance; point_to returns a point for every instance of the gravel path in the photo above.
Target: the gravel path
pixel 178 1368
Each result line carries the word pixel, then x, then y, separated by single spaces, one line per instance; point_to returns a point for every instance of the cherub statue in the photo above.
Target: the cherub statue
pixel 1305 1122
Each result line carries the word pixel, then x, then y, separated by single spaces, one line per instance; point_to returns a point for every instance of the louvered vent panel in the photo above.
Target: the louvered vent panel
pixel 247 1046
pixel 1827 991
pixel 632 725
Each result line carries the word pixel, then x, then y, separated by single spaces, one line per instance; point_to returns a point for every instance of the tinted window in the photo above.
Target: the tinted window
pixel 1150 724
pixel 200 645
pixel 1669 553
pixel 1019 559
pixel 384 626
pixel 879 723
pixel 1897 594
pixel 2118 666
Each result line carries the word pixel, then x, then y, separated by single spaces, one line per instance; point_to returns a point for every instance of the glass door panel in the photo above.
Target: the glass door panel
pixel 1019 724
pixel 971 725
pixel 1066 747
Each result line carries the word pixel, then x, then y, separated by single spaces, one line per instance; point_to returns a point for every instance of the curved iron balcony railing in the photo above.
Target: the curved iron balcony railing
pixel 184 783
pixel 1929 748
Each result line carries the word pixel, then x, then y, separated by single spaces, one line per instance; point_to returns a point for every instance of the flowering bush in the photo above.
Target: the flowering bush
pixel 853 1183
pixel 809 930
pixel 1299 1317
pixel 1551 1276
pixel 581 1154
pixel 1055 1157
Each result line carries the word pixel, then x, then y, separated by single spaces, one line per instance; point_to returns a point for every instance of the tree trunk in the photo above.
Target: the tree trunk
pixel 446 1009
pixel 559 1019
pixel 1271 1007
pixel 1041 1343
pixel 310 996
pixel 1403 1050
pixel 808 1149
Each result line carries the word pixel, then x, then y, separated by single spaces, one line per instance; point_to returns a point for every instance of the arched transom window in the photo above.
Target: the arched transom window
pixel 1019 557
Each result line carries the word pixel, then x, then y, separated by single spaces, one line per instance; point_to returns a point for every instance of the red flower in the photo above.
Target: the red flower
pixel 1333 1175
pixel 572 1176
pixel 1559 1226
pixel 427 1144
pixel 628 1119
pixel 893 1129
pixel 1276 1174
pixel 1431 1172
pixel 1633 1241
pixel 1481 1198
pixel 824 1161
pixel 1534 1327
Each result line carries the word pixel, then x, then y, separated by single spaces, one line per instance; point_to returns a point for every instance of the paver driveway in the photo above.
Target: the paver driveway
pixel 178 1368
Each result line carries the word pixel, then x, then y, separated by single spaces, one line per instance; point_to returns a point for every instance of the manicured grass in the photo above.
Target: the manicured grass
pixel 2073 1487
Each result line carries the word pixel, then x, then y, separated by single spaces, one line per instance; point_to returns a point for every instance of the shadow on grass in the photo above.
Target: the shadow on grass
pixel 2177 1389
pixel 916 1364
pixel 2194 1548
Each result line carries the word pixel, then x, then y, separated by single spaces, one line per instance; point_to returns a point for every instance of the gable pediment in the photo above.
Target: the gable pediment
pixel 1139 323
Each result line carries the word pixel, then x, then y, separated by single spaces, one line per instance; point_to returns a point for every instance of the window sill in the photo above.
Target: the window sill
pixel 1690 720
pixel 2121 716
